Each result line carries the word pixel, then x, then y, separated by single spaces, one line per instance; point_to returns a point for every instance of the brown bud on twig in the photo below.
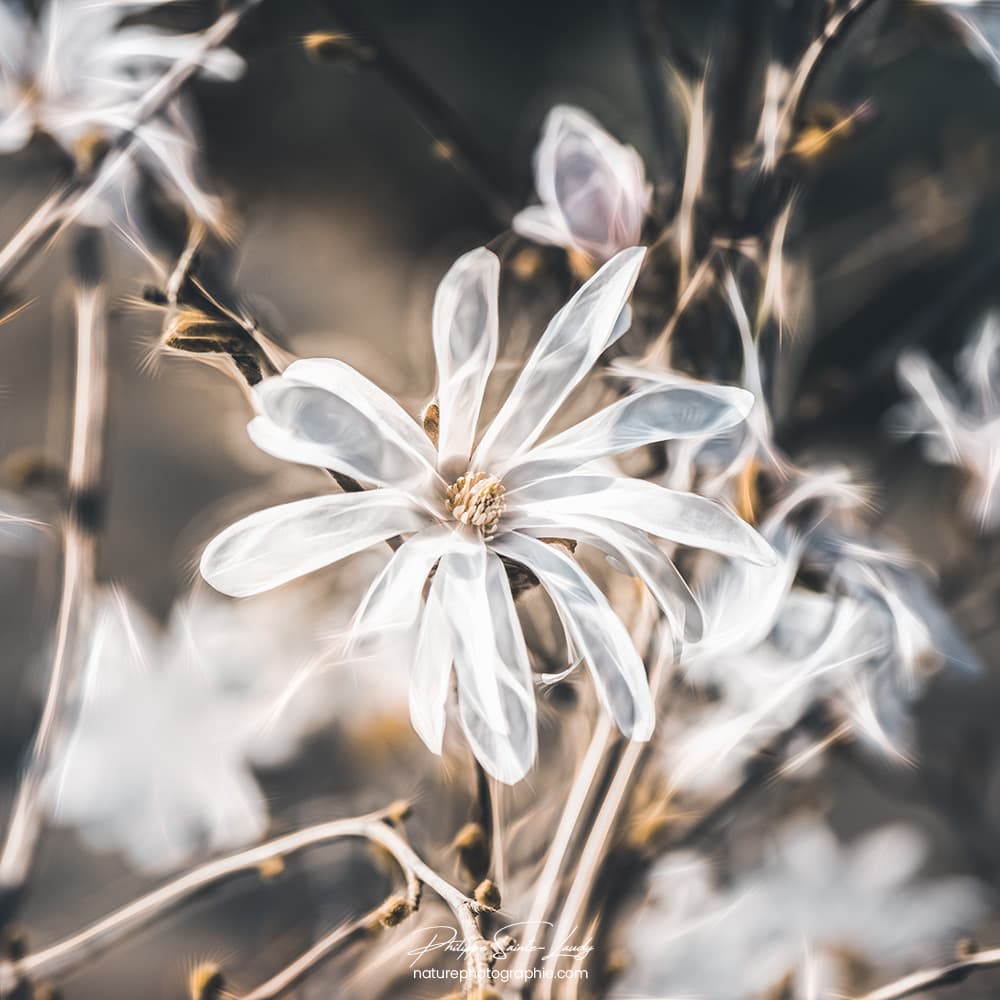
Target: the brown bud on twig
pixel 337 47
pixel 206 982
pixel 394 911
pixel 488 894
pixel 473 849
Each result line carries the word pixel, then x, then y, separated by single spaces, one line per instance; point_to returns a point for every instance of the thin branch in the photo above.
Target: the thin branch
pixel 85 502
pixel 69 954
pixel 322 951
pixel 580 794
pixel 933 979
pixel 649 44
pixel 815 55
pixel 606 821
pixel 453 139
pixel 65 207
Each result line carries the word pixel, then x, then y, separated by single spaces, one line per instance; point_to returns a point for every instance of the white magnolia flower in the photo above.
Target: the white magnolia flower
pixel 593 190
pixel 469 510
pixel 810 909
pixel 960 424
pixel 76 73
pixel 158 760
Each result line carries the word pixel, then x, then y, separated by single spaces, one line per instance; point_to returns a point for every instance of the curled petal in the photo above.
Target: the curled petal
pixel 594 630
pixel 593 187
pixel 630 551
pixel 343 431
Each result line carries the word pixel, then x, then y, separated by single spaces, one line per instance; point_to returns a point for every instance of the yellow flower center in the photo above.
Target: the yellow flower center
pixel 477 500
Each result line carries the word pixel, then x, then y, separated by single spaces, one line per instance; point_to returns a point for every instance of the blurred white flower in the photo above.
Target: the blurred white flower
pixel 593 190
pixel 979 23
pixel 960 423
pixel 157 762
pixel 810 909
pixel 469 511
pixel 76 72
pixel 20 533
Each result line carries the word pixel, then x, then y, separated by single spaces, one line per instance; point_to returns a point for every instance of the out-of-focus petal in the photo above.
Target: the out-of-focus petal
pixel 592 183
pixel 541 224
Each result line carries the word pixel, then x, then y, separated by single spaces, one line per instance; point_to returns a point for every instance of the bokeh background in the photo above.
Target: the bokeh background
pixel 346 220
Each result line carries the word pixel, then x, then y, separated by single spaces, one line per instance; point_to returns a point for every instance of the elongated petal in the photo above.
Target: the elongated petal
pixel 507 753
pixel 466 333
pixel 463 591
pixel 430 669
pixel 679 517
pixel 631 552
pixel 279 544
pixel 659 413
pixel 308 424
pixel 394 598
pixel 594 629
pixel 573 341
pixel 923 379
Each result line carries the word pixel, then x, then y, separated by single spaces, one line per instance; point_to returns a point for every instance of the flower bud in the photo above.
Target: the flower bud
pixel 593 190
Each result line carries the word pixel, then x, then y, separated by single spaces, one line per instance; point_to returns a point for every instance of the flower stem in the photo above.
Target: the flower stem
pixel 82 524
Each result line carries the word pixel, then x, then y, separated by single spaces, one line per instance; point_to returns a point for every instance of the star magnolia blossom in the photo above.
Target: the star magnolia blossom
pixel 593 189
pixel 960 424
pixel 76 74
pixel 466 509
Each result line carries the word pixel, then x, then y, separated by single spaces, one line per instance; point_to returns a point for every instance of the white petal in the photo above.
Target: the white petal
pixel 394 598
pixel 594 629
pixel 343 431
pixel 578 334
pixel 595 183
pixel 632 553
pixel 279 544
pixel 659 413
pixel 430 670
pixel 543 225
pixel 466 333
pixel 462 571
pixel 924 380
pixel 683 518
pixel 509 752
pixel 341 379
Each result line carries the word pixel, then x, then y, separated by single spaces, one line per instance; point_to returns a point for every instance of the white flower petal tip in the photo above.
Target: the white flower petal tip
pixel 593 189
pixel 958 422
